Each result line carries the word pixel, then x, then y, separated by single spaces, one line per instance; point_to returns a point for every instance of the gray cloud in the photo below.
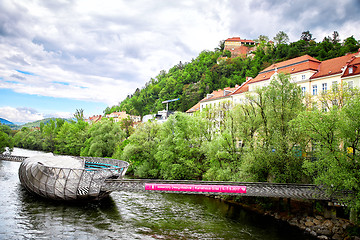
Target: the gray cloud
pixel 18 77
pixel 105 50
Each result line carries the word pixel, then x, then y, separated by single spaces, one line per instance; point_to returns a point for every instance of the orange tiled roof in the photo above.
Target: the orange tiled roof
pixel 355 65
pixel 243 88
pixel 195 108
pixel 238 39
pixel 294 65
pixel 221 93
pixel 334 66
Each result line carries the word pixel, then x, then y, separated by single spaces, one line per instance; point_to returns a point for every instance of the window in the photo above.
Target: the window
pixel 351 85
pixel 314 89
pixel 303 77
pixel 324 87
pixel 303 89
pixel 351 70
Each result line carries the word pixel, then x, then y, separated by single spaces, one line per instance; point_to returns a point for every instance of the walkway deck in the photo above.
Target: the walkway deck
pixel 259 189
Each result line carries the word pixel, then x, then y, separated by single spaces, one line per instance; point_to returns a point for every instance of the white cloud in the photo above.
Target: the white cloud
pixel 20 115
pixel 101 51
pixel 24 115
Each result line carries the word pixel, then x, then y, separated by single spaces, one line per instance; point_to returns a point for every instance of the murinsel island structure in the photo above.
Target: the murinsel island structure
pixel 69 178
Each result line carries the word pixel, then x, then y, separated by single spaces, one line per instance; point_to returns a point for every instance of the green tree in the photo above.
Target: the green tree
pixel 5 138
pixel 179 152
pixel 281 38
pixel 334 138
pixel 104 137
pixel 49 136
pixel 306 36
pixel 140 151
pixel 272 157
pixel 71 138
pixel 126 124
pixel 79 114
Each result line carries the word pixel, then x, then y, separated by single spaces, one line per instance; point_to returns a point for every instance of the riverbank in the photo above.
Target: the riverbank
pixel 301 214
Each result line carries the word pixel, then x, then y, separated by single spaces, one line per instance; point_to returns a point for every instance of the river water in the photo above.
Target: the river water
pixel 127 215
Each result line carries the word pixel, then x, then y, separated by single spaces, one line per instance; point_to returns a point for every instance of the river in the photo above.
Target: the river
pixel 126 215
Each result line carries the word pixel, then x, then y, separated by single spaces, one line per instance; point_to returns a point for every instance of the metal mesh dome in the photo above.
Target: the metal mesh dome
pixel 69 178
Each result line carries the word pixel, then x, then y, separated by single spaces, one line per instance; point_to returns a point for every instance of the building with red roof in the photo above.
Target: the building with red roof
pixel 312 75
pixel 239 47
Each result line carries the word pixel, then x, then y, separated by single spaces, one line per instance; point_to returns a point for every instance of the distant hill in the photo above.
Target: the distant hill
pixel 37 123
pixel 5 122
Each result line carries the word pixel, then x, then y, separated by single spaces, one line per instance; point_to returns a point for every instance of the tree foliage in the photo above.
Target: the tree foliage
pixel 6 140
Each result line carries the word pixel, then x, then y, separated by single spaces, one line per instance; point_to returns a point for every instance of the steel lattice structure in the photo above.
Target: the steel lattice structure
pixel 63 183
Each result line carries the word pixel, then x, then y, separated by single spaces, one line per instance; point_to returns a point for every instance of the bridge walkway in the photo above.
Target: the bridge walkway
pixel 251 189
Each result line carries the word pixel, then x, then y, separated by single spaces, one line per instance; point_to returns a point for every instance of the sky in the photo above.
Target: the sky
pixel 61 55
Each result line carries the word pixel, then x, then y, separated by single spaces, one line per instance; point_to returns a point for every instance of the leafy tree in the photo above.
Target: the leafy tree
pixel 71 138
pixel 272 157
pixel 126 125
pixel 333 138
pixel 104 137
pixel 49 135
pixel 306 36
pixel 79 114
pixel 179 152
pixel 262 39
pixel 281 38
pixel 5 138
pixel 221 46
pixel 140 151
pixel 335 37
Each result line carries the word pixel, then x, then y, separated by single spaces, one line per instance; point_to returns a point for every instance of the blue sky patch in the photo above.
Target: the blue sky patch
pixel 62 83
pixel 27 73
pixel 14 82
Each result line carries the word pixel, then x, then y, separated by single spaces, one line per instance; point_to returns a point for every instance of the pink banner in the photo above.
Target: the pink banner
pixel 195 188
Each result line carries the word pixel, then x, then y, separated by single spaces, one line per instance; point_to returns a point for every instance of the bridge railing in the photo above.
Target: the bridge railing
pixel 12 158
pixel 254 189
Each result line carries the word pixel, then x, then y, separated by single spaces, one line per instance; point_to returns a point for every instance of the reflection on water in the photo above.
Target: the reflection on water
pixel 127 215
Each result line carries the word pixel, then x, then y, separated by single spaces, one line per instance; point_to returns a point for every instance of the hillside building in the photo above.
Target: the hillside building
pixel 239 47
pixel 118 116
pixel 312 75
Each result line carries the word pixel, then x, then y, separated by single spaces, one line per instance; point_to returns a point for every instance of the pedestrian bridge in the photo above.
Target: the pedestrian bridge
pixel 251 189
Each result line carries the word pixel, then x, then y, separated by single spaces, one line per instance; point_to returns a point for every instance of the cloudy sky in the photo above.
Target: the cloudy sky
pixel 61 55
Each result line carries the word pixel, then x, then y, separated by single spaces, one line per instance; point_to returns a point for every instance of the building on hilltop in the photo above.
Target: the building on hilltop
pixel 239 47
pixel 313 77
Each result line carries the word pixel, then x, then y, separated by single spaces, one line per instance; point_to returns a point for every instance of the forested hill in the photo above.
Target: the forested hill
pixel 192 81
